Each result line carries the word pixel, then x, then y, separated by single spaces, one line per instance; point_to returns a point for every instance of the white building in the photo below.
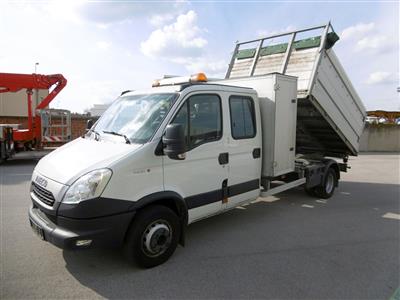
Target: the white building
pixel 98 109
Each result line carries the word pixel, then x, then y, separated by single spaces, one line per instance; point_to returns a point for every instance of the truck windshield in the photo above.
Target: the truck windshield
pixel 136 118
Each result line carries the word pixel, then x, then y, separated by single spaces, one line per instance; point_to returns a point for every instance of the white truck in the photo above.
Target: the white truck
pixel 160 159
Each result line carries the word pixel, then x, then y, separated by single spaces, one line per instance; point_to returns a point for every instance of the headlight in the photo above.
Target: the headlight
pixel 88 186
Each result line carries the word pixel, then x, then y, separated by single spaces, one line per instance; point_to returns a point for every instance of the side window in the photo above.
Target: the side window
pixel 182 118
pixel 205 119
pixel 242 117
pixel 202 119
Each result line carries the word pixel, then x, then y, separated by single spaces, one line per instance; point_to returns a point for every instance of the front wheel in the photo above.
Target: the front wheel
pixel 327 188
pixel 153 236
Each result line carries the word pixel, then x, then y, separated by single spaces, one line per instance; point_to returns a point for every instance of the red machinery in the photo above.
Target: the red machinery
pixel 15 82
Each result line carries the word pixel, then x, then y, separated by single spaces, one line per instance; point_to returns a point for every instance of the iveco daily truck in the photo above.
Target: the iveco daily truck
pixel 188 148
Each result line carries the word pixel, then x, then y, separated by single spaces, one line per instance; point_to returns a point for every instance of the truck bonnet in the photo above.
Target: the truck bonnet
pixel 80 156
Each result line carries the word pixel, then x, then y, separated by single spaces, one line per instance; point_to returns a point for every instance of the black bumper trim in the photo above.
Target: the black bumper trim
pixel 104 232
pixel 95 208
pixel 217 195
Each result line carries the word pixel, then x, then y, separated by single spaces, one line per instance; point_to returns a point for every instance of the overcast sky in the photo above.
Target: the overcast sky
pixel 105 47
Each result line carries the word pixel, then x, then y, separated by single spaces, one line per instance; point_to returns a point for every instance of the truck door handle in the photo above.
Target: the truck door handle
pixel 256 153
pixel 223 158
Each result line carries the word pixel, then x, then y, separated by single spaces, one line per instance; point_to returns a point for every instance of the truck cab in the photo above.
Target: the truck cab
pixel 88 192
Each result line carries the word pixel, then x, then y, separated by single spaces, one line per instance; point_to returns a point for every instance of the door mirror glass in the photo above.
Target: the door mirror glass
pixel 89 124
pixel 174 141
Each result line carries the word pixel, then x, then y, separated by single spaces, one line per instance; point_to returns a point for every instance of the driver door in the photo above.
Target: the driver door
pixel 199 178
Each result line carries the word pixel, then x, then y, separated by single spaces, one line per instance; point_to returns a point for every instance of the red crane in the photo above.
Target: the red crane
pixel 10 82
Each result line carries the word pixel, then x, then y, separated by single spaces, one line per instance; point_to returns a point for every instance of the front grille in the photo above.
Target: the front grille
pixel 43 195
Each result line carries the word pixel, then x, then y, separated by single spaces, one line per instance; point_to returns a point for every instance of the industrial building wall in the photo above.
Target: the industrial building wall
pixel 380 137
pixel 16 105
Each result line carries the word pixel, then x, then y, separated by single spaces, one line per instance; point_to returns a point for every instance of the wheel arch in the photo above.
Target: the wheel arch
pixel 330 163
pixel 171 200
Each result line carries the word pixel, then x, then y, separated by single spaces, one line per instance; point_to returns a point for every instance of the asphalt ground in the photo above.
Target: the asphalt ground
pixel 289 246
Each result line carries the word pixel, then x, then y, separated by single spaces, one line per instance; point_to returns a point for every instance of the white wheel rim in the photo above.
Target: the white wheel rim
pixel 157 238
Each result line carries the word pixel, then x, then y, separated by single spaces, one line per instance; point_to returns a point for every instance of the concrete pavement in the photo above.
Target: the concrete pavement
pixel 288 246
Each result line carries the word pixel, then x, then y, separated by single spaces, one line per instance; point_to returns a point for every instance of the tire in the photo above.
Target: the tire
pixel 327 188
pixel 152 237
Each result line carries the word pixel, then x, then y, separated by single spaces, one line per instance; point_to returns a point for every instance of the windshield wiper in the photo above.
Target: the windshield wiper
pixel 119 134
pixel 96 134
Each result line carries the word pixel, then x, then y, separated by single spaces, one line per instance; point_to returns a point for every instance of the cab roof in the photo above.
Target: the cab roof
pixel 188 87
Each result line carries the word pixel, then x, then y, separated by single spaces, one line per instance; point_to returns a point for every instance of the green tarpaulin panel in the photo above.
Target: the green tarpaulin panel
pixel 331 39
pixel 245 53
pixel 274 49
pixel 307 43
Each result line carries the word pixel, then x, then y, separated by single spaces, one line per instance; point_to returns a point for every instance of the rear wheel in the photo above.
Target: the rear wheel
pixel 327 188
pixel 153 236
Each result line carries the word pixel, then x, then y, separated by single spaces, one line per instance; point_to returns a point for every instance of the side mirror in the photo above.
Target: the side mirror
pixel 89 124
pixel 174 142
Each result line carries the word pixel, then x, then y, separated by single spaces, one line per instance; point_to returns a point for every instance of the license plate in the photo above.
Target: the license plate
pixel 37 230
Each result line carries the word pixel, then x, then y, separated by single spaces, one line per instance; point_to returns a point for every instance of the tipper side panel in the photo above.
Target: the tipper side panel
pixel 330 116
pixel 338 104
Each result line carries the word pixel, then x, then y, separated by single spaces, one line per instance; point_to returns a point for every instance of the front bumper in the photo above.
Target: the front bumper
pixel 63 232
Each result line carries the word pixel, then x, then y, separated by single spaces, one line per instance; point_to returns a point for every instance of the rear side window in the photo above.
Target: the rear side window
pixel 243 123
pixel 201 118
